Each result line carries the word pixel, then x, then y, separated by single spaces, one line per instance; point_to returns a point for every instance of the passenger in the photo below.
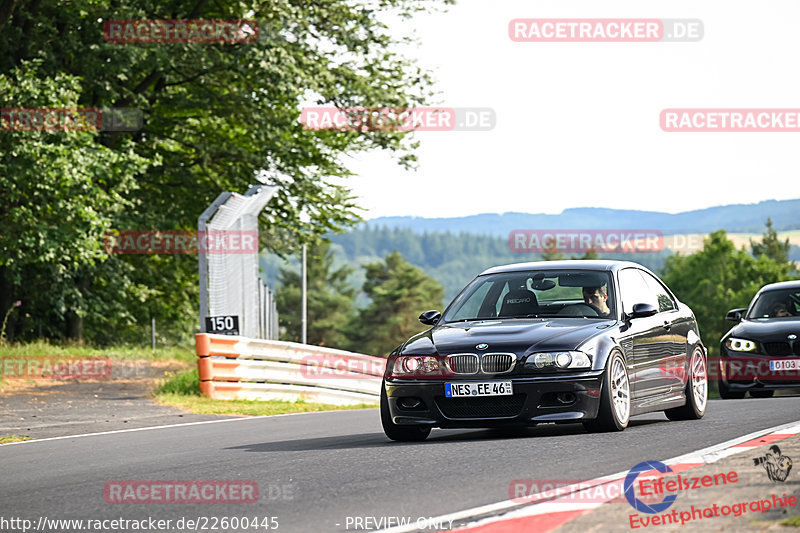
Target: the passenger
pixel 598 297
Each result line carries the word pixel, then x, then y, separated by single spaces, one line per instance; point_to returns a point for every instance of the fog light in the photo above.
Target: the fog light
pixel 565 398
pixel 409 403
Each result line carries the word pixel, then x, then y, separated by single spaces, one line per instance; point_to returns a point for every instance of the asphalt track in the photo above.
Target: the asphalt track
pixel 315 470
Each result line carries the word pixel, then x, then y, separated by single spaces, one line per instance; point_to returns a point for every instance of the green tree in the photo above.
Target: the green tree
pixel 216 118
pixel 589 254
pixel 718 278
pixel 330 299
pixel 771 246
pixel 399 292
pixel 61 191
pixel 552 254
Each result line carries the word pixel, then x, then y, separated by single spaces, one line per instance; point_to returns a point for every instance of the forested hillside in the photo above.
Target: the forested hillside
pixel 742 218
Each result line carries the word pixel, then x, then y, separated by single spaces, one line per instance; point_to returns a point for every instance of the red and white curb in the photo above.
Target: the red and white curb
pixel 551 511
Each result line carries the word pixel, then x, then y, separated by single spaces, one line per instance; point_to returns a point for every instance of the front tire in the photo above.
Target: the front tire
pixel 696 390
pixel 615 398
pixel 396 432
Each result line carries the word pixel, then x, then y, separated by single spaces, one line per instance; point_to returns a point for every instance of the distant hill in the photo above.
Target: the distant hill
pixel 454 250
pixel 739 218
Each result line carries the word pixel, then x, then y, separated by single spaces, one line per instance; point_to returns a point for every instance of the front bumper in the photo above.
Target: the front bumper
pixel 742 371
pixel 535 400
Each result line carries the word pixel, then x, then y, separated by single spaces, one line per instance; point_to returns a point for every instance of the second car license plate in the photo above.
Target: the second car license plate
pixel 486 388
pixel 785 364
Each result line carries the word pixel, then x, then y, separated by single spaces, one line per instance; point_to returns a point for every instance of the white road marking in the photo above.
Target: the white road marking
pixel 34 441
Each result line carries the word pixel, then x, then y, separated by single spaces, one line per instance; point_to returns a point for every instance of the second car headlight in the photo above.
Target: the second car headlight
pixel 572 359
pixel 740 345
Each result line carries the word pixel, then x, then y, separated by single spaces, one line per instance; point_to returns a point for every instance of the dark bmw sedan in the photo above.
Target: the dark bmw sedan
pixel 761 353
pixel 562 341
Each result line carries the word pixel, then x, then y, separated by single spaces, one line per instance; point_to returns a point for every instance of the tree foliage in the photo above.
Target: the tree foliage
pixel 216 116
pixel 398 293
pixel 771 246
pixel 330 299
pixel 719 278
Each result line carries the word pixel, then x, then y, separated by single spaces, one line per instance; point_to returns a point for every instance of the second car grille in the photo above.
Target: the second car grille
pixel 777 348
pixel 496 363
pixel 466 363
pixel 481 407
pixel 797 347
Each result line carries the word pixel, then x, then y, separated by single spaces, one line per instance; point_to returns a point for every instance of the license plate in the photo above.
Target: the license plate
pixel 486 388
pixel 785 364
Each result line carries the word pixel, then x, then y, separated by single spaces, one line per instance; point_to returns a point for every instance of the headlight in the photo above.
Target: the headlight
pixel 418 366
pixel 572 359
pixel 740 345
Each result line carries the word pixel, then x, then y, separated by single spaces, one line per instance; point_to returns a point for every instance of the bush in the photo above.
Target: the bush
pixel 185 383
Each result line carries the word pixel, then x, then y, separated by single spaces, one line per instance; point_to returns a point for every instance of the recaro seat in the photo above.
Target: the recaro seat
pixel 520 302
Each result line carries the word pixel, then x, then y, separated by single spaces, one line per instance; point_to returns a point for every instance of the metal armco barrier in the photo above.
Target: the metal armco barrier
pixel 240 368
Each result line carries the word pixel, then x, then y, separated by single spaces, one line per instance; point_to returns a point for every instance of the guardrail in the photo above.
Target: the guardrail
pixel 240 368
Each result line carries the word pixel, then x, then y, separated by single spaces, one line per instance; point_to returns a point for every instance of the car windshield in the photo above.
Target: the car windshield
pixel 535 294
pixel 781 303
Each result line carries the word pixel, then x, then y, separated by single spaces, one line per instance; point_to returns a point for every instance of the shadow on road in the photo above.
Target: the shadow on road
pixel 379 440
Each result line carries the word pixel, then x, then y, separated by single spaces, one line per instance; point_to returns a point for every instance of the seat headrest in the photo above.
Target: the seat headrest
pixel 519 303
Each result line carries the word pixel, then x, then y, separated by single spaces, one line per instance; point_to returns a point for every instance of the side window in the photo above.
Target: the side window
pixel 665 302
pixel 634 290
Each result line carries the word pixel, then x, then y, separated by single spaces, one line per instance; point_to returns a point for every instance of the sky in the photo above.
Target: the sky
pixel 577 124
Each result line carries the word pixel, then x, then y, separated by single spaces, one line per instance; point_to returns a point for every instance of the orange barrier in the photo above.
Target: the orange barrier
pixel 232 367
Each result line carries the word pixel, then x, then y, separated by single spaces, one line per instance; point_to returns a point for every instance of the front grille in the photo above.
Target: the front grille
pixel 797 347
pixel 481 407
pixel 777 348
pixel 496 363
pixel 466 363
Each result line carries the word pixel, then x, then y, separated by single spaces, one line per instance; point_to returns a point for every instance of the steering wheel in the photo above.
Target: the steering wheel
pixel 590 307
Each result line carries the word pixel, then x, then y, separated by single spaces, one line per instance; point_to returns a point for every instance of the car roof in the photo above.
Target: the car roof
pixel 572 264
pixel 781 285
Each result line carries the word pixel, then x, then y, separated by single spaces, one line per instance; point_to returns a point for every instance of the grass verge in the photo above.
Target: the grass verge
pixel 45 349
pixel 183 391
pixel 793 521
pixel 13 438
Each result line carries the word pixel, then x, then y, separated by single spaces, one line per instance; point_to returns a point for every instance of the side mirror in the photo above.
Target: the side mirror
pixel 430 318
pixel 643 310
pixel 735 315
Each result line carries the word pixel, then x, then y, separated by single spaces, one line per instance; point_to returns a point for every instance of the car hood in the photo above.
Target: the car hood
pixel 517 336
pixel 766 330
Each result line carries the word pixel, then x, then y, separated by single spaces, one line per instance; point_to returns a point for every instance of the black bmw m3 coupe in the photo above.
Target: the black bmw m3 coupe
pixel 761 353
pixel 594 342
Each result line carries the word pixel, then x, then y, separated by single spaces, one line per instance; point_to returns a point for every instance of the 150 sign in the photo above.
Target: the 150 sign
pixel 223 325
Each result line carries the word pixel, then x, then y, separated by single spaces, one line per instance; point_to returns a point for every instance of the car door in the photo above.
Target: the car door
pixel 674 368
pixel 647 338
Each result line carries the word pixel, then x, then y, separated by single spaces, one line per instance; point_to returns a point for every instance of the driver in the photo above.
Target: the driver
pixel 598 297
pixel 779 310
